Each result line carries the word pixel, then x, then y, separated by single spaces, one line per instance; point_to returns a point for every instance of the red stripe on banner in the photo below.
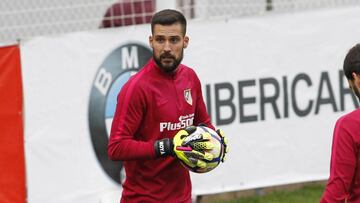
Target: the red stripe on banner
pixel 12 161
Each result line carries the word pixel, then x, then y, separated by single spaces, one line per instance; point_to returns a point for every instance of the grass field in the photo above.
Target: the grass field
pixel 306 194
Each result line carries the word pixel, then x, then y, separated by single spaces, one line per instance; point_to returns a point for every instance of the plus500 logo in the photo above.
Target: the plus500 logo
pixel 184 121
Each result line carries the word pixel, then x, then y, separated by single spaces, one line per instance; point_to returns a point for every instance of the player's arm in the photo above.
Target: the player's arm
pixel 129 112
pixel 343 164
pixel 202 117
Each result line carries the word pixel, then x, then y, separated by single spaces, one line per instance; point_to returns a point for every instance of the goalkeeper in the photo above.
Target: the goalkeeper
pixel 154 109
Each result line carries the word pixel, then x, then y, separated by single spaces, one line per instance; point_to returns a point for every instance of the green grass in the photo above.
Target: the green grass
pixel 306 194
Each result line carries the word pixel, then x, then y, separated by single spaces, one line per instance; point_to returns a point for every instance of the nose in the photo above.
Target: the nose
pixel 167 46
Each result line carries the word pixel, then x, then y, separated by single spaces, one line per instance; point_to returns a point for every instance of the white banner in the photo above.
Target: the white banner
pixel 271 83
pixel 295 58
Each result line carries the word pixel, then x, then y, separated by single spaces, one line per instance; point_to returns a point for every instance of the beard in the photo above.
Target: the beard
pixel 167 62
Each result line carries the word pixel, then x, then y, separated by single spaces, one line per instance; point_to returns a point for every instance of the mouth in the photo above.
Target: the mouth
pixel 167 59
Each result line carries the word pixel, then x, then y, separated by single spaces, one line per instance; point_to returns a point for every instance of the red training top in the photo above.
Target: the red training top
pixel 154 105
pixel 344 181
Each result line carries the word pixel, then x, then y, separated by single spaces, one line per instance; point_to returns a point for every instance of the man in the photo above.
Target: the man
pixel 344 180
pixel 153 109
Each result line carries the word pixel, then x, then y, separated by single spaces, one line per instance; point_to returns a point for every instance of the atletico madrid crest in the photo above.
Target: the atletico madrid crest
pixel 188 97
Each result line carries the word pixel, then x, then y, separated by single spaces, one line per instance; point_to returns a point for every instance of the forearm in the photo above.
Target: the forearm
pixel 129 149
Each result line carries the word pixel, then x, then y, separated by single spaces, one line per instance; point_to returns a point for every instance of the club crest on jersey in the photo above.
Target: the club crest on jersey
pixel 188 97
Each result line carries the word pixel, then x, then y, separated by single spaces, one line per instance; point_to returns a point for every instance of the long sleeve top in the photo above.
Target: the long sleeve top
pixel 154 105
pixel 344 180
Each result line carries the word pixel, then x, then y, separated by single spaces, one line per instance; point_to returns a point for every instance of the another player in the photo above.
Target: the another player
pixel 153 109
pixel 344 181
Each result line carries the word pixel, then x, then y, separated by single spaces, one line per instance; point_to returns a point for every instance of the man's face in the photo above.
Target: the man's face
pixel 354 84
pixel 168 45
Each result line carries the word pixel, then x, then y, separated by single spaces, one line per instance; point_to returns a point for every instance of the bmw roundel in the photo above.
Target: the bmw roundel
pixel 113 73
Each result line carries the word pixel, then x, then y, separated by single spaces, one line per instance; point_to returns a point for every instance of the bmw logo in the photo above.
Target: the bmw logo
pixel 113 73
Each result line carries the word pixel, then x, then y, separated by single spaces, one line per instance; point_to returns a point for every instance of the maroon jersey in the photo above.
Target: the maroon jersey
pixel 344 181
pixel 154 105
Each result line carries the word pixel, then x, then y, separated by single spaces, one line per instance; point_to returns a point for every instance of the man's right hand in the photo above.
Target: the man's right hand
pixel 187 147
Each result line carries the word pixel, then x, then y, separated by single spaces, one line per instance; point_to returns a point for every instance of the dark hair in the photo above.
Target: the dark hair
pixel 352 62
pixel 168 17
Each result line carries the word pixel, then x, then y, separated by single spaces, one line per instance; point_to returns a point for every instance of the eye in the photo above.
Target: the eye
pixel 174 40
pixel 159 39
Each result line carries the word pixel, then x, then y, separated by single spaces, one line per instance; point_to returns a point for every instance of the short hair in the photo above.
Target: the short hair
pixel 352 62
pixel 168 17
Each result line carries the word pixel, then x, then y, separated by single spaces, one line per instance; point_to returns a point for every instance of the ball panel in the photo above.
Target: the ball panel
pixel 217 151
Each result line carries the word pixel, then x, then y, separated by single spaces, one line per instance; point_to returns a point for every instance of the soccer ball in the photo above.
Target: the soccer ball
pixel 217 152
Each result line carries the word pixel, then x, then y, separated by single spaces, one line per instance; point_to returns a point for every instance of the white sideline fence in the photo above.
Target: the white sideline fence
pixel 21 19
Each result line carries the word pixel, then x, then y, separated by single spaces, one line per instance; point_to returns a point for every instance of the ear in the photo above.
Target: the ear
pixel 186 41
pixel 355 76
pixel 151 39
